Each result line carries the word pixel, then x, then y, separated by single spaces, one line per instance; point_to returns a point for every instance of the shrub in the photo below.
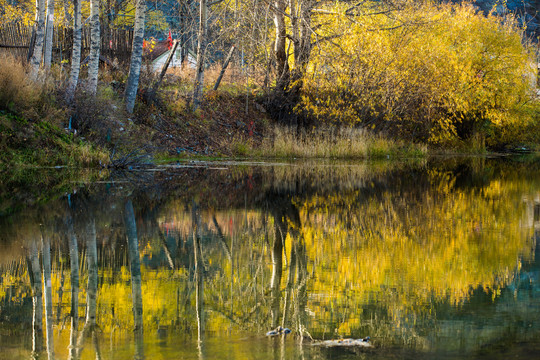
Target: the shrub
pixel 17 91
pixel 430 72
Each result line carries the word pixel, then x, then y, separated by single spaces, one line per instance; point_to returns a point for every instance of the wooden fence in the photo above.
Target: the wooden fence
pixel 15 40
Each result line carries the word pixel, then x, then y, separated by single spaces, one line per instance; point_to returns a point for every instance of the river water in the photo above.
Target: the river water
pixel 431 259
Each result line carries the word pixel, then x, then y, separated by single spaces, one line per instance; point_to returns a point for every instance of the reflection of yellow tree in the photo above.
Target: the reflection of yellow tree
pixel 408 249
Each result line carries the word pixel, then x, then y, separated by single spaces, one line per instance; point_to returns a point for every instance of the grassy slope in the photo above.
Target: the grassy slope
pixel 26 143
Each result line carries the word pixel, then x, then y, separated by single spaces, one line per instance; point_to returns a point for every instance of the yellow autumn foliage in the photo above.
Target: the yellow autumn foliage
pixel 428 72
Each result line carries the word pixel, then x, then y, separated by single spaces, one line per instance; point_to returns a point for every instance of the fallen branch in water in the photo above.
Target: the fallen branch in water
pixel 138 158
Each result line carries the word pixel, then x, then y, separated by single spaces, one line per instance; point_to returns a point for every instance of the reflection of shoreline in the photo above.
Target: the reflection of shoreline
pixel 398 259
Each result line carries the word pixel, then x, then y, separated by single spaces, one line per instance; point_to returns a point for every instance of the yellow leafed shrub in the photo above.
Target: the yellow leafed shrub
pixel 428 72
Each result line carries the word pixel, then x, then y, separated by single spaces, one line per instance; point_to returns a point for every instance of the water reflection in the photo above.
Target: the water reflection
pixel 437 258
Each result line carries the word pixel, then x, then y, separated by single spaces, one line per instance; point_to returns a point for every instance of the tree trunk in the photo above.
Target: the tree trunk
pixel 136 56
pixel 280 52
pixel 67 15
pixel 302 51
pixel 37 53
pixel 164 68
pixel 76 51
pixel 49 29
pixel 224 67
pixel 95 43
pixel 302 43
pixel 201 48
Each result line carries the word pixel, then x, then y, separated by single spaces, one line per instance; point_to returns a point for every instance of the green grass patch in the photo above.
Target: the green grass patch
pixel 26 143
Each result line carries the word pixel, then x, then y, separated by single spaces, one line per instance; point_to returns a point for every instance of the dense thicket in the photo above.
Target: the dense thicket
pixel 430 72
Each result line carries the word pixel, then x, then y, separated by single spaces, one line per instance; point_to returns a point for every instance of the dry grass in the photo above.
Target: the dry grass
pixel 344 143
pixel 233 81
pixel 16 89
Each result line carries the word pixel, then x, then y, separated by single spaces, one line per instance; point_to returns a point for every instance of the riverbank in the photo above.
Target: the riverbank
pixel 38 129
pixel 102 135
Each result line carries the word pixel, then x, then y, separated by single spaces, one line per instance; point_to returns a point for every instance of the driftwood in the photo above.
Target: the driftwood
pixel 344 343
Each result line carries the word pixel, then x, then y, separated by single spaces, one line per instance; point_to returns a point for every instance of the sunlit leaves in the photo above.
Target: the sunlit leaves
pixel 424 71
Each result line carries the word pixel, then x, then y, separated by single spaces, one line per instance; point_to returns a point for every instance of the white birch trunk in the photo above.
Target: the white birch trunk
pixel 49 28
pixel 76 52
pixel 279 45
pixel 67 15
pixel 201 47
pixel 37 53
pixel 95 44
pixel 136 56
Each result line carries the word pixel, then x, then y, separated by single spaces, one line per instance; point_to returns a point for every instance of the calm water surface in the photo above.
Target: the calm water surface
pixel 435 259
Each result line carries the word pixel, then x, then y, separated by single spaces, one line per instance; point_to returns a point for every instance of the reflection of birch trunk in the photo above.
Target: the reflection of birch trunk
pixel 95 341
pixel 47 286
pixel 289 288
pixel 60 291
pixel 34 270
pixel 91 292
pixel 139 344
pixel 135 265
pixel 221 237
pixel 301 288
pixel 199 275
pixel 91 261
pixel 277 268
pixel 164 244
pixel 74 266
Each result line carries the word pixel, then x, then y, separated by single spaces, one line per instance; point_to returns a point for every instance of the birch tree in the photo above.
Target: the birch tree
pixel 136 56
pixel 49 29
pixel 35 60
pixel 201 48
pixel 95 43
pixel 282 63
pixel 76 51
pixel 67 15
